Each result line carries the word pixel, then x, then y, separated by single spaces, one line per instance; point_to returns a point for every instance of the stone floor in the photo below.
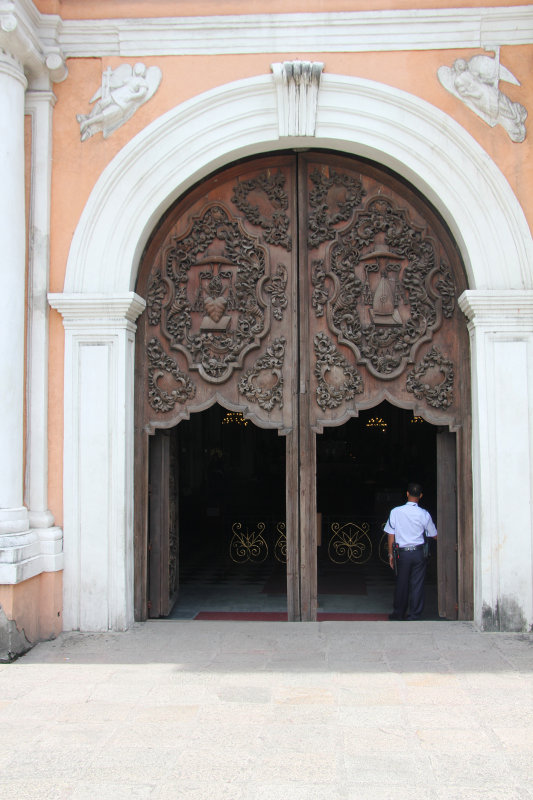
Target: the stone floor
pixel 268 711
pixel 348 589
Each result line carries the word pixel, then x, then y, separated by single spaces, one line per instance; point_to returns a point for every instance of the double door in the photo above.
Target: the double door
pixel 298 289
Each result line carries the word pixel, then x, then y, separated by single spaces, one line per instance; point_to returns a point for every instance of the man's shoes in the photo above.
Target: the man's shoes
pixel 395 618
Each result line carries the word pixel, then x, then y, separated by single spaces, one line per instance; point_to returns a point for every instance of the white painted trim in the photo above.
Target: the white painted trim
pixel 501 335
pixel 338 32
pixel 98 459
pixel 354 115
pixel 43 42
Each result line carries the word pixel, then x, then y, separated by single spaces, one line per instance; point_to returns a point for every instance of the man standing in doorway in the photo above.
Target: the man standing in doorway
pixel 406 527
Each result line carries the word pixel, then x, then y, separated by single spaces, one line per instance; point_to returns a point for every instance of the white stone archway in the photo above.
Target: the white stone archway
pixel 99 308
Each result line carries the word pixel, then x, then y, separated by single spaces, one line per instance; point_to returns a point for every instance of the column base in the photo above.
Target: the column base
pixel 14 520
pixel 41 519
pixel 25 555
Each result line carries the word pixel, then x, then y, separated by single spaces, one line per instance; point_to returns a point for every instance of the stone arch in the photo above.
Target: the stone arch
pixel 99 308
pixel 354 115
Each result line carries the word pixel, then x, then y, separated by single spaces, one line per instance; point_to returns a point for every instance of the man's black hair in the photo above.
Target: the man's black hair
pixel 414 489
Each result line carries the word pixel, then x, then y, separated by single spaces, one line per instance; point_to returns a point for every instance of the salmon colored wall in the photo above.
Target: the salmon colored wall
pixel 74 9
pixel 77 165
pixel 35 605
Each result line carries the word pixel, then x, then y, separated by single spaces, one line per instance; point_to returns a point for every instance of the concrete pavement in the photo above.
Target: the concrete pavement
pixel 268 711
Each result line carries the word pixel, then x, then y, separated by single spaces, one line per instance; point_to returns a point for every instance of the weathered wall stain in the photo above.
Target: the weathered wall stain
pixel 506 616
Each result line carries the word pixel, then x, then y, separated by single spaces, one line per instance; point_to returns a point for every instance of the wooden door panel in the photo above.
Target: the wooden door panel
pixel 384 322
pixel 447 524
pixel 220 317
pixel 159 526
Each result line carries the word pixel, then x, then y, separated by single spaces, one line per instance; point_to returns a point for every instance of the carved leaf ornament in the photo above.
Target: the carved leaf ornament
pixel 159 364
pixel 438 394
pixel 272 186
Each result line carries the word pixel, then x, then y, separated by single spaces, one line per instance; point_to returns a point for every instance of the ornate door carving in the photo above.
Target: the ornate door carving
pixel 298 289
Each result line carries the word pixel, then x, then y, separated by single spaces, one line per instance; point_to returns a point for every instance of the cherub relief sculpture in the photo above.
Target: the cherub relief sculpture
pixel 122 92
pixel 476 83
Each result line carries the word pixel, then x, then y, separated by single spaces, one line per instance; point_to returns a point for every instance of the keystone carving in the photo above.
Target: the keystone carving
pixel 297 84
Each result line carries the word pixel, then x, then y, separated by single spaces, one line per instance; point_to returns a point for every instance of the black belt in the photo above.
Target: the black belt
pixel 413 547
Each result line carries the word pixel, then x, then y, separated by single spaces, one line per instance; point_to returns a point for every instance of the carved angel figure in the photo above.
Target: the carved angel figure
pixel 476 83
pixel 122 92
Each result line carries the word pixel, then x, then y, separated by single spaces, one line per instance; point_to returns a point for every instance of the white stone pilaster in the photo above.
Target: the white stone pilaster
pixel 39 105
pixel 98 459
pixel 13 515
pixel 501 333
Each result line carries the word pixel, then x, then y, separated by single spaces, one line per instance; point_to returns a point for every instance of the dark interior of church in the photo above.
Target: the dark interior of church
pixel 229 495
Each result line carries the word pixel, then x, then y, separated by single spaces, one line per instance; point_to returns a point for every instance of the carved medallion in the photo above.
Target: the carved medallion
pixel 263 383
pixel 269 189
pixel 337 380
pixel 437 389
pixel 215 314
pixel 161 366
pixel 343 191
pixel 393 290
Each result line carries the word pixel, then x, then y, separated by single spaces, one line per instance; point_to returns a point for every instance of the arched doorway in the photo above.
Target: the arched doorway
pixel 298 289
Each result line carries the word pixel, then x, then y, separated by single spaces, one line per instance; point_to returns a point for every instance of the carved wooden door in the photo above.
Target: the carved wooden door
pixel 298 289
pixel 162 528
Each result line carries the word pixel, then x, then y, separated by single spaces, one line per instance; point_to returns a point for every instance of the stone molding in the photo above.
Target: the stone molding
pixel 364 31
pixel 78 310
pixel 27 554
pixel 44 42
pixel 297 84
pixel 32 38
pixel 499 310
pixel 11 66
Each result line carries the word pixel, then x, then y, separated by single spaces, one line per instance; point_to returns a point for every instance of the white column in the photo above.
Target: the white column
pixel 501 333
pixel 13 515
pixel 98 459
pixel 39 105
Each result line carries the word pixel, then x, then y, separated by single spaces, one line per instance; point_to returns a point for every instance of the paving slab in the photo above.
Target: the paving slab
pixel 267 710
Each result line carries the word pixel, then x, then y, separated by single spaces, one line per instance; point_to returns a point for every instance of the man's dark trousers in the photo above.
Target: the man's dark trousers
pixel 410 584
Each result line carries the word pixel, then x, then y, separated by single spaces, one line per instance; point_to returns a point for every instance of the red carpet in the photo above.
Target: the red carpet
pixel 280 616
